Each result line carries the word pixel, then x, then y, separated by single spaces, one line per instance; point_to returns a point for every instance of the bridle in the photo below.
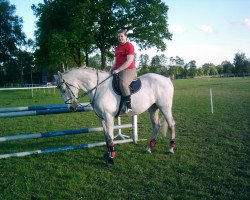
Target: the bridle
pixel 72 95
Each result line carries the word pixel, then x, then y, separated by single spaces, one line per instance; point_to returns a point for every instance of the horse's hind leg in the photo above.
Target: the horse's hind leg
pixel 154 117
pixel 171 123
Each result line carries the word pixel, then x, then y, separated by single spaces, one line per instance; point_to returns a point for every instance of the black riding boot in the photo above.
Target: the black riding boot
pixel 127 102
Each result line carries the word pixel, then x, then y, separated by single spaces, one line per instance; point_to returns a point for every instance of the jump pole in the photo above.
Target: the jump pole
pixel 59 133
pixel 69 132
pixel 65 148
pixel 42 112
pixel 41 107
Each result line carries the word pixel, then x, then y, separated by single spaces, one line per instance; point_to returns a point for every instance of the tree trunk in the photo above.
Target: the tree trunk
pixel 103 58
pixel 87 59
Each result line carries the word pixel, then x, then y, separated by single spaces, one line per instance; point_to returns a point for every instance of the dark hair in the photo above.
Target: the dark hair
pixel 121 31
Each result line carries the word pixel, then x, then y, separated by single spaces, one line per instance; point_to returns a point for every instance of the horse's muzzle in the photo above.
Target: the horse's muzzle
pixel 73 106
pixel 72 109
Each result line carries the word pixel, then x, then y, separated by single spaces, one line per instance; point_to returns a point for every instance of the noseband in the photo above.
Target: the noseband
pixel 69 91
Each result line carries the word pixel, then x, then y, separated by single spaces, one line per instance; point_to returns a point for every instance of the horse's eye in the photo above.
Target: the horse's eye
pixel 63 91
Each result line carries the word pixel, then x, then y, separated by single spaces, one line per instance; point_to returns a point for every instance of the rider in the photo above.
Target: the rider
pixel 125 67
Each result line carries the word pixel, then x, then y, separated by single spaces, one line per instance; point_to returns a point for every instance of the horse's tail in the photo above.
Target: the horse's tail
pixel 164 126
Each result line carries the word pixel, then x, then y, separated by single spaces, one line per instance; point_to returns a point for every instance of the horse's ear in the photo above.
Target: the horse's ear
pixel 59 74
pixel 56 78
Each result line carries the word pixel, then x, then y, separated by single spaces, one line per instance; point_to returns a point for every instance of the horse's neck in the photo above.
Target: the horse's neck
pixel 88 79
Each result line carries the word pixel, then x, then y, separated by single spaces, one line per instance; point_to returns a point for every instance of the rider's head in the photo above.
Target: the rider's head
pixel 122 36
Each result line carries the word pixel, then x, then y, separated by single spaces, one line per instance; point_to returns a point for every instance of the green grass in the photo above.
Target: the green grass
pixel 211 160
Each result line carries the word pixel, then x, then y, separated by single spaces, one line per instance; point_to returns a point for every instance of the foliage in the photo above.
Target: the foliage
pixel 143 61
pixel 73 29
pixel 228 68
pixel 63 35
pixel 14 60
pixel 177 68
pixel 209 69
pixel 242 64
pixel 95 61
pixel 11 32
pixel 211 160
pixel 148 21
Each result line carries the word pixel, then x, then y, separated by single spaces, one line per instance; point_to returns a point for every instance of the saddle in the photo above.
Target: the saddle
pixel 134 86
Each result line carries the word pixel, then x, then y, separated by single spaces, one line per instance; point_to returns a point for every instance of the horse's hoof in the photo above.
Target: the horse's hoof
pixel 148 150
pixel 109 161
pixel 170 151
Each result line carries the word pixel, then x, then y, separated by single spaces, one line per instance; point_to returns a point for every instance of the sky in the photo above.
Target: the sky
pixel 207 31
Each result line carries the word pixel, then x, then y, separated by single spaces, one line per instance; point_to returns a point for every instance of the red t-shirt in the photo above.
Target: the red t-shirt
pixel 121 53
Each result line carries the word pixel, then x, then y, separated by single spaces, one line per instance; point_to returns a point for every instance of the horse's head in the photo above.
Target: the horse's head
pixel 69 91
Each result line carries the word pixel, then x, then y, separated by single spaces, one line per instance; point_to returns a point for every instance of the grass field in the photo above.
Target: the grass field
pixel 211 160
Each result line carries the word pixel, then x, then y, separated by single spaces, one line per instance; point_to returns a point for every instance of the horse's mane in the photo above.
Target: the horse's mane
pixel 82 68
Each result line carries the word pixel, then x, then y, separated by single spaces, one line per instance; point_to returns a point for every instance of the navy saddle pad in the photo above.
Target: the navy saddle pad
pixel 135 86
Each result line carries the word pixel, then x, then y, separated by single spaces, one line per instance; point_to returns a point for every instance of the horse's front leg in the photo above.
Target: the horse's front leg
pixel 108 126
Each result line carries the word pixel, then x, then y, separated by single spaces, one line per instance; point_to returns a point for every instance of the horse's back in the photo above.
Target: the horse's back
pixel 157 81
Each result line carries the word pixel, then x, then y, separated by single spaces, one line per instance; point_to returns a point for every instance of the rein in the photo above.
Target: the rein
pixel 86 93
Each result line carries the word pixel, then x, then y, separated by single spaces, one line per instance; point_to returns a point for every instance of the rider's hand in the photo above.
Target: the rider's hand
pixel 115 71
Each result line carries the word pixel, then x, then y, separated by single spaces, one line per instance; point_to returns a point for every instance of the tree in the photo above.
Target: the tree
pixel 11 34
pixel 200 72
pixel 11 39
pixel 177 61
pixel 242 64
pixel 64 33
pixel 148 23
pixel 206 69
pixel 81 25
pixel 95 61
pixel 155 62
pixel 228 68
pixel 18 67
pixel 163 61
pixel 213 71
pixel 143 61
pixel 174 71
pixel 145 21
pixel 219 69
pixel 191 68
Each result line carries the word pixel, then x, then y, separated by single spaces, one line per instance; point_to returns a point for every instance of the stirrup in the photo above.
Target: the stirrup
pixel 128 110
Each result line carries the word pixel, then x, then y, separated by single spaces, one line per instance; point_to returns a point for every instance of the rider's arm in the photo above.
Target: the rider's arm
pixel 125 65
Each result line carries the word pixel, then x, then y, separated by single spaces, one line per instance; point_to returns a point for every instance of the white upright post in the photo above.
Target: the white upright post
pixel 123 137
pixel 32 93
pixel 119 123
pixel 211 101
pixel 135 129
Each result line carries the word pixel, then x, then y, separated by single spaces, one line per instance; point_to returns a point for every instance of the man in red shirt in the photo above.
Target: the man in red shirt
pixel 125 67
